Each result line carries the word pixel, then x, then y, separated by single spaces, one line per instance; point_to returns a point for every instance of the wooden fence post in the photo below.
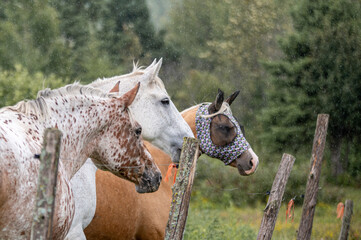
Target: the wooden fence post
pixel 274 201
pixel 309 204
pixel 182 190
pixel 346 220
pixel 45 198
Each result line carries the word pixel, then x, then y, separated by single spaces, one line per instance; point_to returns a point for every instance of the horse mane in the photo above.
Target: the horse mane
pixel 137 70
pixel 39 105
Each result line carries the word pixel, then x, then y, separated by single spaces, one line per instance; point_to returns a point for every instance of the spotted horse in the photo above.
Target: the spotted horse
pixel 94 124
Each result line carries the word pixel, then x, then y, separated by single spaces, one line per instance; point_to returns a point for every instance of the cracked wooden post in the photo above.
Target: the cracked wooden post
pixel 45 198
pixel 346 220
pixel 274 201
pixel 182 190
pixel 309 204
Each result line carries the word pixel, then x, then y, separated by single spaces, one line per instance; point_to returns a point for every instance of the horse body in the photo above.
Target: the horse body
pixel 89 123
pixel 162 125
pixel 123 214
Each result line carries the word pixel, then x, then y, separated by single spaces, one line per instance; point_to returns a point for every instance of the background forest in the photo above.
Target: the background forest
pixel 290 60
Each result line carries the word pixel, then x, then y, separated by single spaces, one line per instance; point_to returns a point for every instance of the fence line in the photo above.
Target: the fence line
pixel 45 198
pixel 310 200
pixel 346 220
pixel 274 201
pixel 182 190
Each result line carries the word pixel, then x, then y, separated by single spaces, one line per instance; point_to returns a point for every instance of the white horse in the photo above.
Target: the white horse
pixel 94 124
pixel 162 125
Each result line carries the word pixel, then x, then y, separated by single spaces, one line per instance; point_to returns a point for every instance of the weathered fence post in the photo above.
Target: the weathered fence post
pixel 309 204
pixel 274 201
pixel 45 198
pixel 182 190
pixel 346 220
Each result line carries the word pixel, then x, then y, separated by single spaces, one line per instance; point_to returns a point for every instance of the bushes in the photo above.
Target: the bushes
pixel 19 84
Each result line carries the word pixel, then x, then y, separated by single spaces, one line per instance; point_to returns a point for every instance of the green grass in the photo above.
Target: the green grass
pixel 210 221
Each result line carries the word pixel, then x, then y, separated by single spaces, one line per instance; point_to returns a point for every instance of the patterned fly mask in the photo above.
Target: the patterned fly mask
pixel 227 153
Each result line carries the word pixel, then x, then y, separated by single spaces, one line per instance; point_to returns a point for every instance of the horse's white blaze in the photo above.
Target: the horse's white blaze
pixel 162 125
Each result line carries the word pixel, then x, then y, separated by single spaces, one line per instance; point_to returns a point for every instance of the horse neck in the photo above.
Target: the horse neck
pixel 189 116
pixel 80 122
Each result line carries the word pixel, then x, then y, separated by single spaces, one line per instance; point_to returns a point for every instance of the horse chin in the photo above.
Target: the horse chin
pixel 145 189
pixel 149 182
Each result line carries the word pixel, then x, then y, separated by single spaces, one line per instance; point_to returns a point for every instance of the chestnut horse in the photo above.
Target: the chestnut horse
pixel 123 214
pixel 94 124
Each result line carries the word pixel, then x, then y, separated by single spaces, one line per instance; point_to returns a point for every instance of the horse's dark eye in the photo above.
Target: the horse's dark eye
pixel 138 131
pixel 165 101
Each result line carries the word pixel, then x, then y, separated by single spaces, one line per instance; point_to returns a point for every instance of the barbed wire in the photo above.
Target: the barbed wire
pixel 218 188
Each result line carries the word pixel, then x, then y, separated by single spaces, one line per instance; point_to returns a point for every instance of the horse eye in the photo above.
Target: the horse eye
pixel 165 101
pixel 138 131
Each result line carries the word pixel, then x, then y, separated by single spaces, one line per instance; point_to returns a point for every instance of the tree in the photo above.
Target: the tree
pixel 319 73
pixel 228 39
pixel 29 36
pixel 126 33
pixel 18 84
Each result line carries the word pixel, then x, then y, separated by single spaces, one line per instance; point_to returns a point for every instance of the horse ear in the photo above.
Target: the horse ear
pixel 151 65
pixel 231 98
pixel 219 100
pixel 115 89
pixel 151 72
pixel 130 95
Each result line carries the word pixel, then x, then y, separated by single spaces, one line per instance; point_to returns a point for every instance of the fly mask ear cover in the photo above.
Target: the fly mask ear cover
pixel 227 153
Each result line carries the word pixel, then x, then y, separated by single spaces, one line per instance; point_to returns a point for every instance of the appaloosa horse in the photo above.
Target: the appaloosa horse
pixel 162 125
pixel 94 124
pixel 123 214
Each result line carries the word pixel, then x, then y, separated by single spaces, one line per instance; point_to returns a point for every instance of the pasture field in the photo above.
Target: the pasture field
pixel 213 221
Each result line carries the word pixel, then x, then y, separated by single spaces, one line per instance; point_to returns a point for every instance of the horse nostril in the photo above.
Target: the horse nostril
pixel 160 178
pixel 251 162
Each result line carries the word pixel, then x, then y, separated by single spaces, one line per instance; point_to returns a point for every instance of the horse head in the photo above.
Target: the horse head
pixel 221 135
pixel 153 108
pixel 120 148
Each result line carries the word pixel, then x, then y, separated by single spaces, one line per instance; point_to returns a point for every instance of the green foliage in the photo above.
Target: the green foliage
pixel 227 39
pixel 319 73
pixel 19 84
pixel 205 223
pixel 199 87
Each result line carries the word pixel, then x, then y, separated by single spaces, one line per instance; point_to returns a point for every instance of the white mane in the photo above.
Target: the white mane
pixel 137 70
pixel 39 106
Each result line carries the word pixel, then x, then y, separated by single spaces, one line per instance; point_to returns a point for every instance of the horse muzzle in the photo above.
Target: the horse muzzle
pixel 149 182
pixel 247 163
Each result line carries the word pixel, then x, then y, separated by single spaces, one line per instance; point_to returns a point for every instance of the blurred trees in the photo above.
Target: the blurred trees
pixel 18 84
pixel 227 39
pixel 81 40
pixel 319 73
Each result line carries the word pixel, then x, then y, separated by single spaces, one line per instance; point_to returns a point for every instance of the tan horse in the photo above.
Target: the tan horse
pixel 121 213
